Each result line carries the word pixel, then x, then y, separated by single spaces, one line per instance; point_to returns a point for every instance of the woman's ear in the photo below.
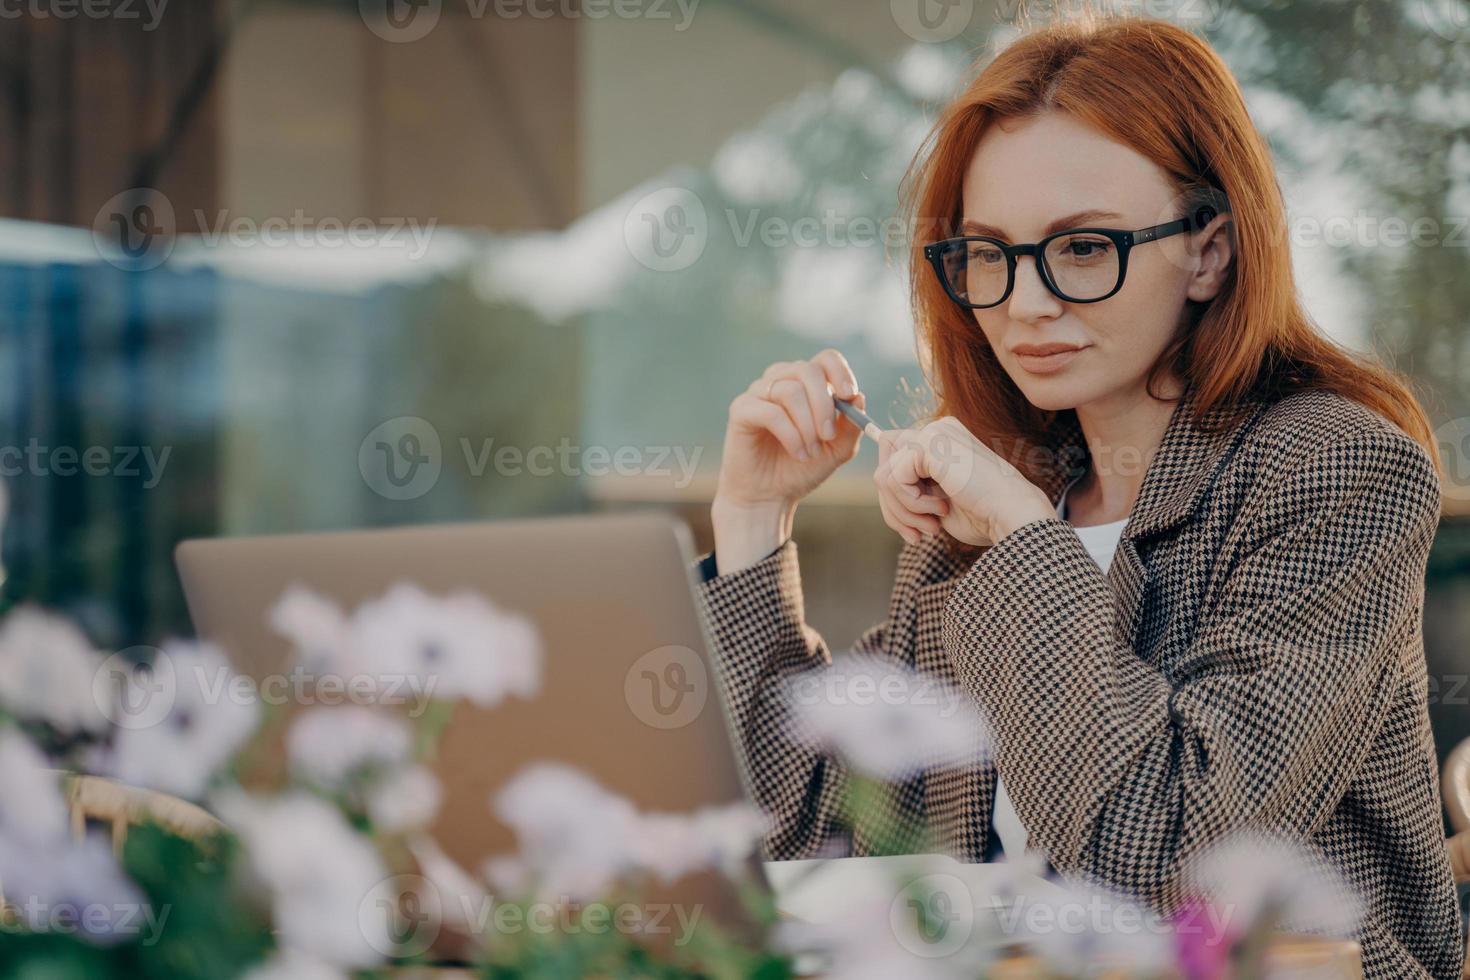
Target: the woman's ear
pixel 1216 254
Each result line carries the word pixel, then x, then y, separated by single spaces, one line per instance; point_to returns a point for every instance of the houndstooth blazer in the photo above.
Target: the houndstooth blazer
pixel 1253 658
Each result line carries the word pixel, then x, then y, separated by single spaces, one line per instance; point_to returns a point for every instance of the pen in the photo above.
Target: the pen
pixel 858 418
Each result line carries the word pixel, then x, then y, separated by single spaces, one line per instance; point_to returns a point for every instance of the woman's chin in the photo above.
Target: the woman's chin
pixel 1052 394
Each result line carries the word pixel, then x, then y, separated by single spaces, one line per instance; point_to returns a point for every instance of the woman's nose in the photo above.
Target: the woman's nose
pixel 1030 299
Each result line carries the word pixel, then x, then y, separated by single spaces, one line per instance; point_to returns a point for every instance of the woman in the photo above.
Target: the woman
pixel 1169 536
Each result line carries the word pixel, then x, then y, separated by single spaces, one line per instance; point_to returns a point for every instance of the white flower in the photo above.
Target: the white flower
pixel 326 880
pixel 45 875
pixel 32 811
pixel 509 875
pixel 330 746
pixel 1252 875
pixel 576 838
pixel 672 845
pixel 315 625
pixel 461 644
pixel 47 670
pixel 885 718
pixel 459 894
pixel 197 713
pixel 292 964
pixel 75 883
pixel 406 799
pixel 1074 928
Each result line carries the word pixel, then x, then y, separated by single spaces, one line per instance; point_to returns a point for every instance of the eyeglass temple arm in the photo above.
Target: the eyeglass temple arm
pixel 1200 218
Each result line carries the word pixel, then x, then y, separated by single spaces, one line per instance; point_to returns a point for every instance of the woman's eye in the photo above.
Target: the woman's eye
pixel 1087 248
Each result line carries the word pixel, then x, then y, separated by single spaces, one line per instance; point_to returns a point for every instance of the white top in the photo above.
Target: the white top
pixel 1100 541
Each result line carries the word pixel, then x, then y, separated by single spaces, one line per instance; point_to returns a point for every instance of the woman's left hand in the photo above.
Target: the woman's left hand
pixel 983 497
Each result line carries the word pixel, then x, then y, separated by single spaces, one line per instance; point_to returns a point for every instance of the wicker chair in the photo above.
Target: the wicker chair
pixel 93 800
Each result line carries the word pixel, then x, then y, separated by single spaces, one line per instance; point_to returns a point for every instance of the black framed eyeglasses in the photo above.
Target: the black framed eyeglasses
pixel 1078 265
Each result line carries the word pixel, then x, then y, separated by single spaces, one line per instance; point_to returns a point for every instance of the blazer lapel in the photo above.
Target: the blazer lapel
pixel 1195 447
pixel 1189 457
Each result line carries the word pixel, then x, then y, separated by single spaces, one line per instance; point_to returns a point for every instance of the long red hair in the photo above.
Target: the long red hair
pixel 1166 93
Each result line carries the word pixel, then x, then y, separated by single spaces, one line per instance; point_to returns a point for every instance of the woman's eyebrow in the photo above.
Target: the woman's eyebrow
pixel 1066 221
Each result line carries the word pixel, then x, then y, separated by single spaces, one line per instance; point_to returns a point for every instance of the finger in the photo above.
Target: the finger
pixel 933 501
pixel 920 524
pixel 757 413
pixel 819 395
pixel 902 530
pixel 890 511
pixel 887 444
pixel 780 369
pixel 904 471
pixel 790 394
pixel 838 373
pixel 891 441
pixel 889 494
pixel 954 458
pixel 923 468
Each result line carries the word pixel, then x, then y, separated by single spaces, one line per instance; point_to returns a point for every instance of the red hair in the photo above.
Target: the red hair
pixel 1164 92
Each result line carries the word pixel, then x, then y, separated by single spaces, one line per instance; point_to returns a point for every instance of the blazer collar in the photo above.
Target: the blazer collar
pixel 1194 448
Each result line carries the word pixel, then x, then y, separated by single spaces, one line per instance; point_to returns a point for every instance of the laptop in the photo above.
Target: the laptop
pixel 629 693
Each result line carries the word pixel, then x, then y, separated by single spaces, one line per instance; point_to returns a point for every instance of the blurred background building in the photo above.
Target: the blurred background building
pixel 276 266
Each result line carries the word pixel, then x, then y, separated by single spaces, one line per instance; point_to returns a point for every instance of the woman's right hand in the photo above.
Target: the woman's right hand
pixel 783 439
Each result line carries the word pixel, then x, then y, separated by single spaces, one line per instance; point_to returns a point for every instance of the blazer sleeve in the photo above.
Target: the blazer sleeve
pixel 760 640
pixel 1120 772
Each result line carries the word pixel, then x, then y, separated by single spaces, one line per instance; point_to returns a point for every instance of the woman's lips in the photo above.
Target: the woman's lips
pixel 1035 359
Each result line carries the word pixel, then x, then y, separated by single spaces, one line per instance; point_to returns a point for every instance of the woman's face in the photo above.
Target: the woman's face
pixel 1046 173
